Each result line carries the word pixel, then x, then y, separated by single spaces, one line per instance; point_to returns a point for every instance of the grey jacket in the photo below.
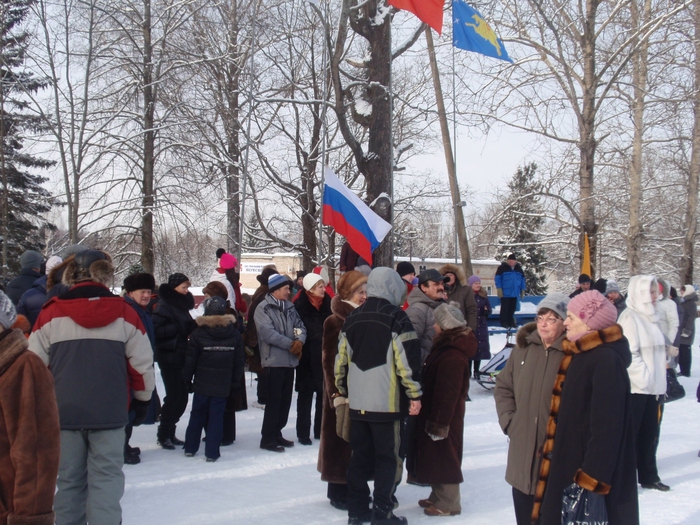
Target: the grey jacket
pixel 420 312
pixel 523 397
pixel 275 322
pixel 690 313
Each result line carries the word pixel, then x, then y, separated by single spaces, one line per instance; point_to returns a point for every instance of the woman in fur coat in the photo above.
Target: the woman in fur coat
pixel 334 452
pixel 440 425
pixel 589 434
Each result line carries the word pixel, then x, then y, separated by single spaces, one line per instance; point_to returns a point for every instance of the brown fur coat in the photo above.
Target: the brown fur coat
pixel 29 435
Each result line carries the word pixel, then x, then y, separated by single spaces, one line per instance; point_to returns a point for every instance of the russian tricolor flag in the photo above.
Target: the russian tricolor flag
pixel 351 217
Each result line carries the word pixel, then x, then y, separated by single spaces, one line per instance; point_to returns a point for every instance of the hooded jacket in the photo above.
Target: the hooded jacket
pixel 378 353
pixel 275 322
pixel 639 323
pixel 690 313
pixel 523 394
pixel 29 433
pixel 462 294
pixel 97 350
pixel 420 312
pixel 667 311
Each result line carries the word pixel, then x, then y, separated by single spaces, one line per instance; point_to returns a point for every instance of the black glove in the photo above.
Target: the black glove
pixel 140 408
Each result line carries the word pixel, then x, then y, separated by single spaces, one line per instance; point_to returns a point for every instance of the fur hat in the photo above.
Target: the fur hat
pixel 216 288
pixel 220 252
pixel 277 281
pixel 267 271
pixel 214 305
pixel 448 316
pixel 139 281
pixel 301 273
pixel 310 280
pixel 228 261
pixel 473 279
pixel 453 269
pixel 31 259
pixel 612 286
pixel 177 279
pixel 349 283
pixel 8 314
pixel 404 268
pixel 593 309
pixel 89 265
pixel 556 302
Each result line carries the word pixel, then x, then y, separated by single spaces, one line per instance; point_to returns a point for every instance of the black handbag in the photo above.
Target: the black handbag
pixel 583 507
pixel 674 390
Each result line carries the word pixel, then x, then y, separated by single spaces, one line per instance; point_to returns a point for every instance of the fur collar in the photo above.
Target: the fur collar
pixel 593 340
pixel 215 321
pixel 523 333
pixel 340 307
pixel 453 338
pixel 482 293
pixel 176 299
pixel 12 344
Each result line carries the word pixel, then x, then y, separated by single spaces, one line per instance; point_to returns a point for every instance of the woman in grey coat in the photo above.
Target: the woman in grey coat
pixel 687 328
pixel 523 395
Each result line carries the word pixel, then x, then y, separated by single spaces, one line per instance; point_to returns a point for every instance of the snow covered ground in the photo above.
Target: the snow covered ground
pixel 252 486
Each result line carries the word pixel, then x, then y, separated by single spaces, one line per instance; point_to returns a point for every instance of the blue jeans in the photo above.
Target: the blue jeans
pixel 209 411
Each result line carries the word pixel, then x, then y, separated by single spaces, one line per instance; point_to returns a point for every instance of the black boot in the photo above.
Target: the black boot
pixel 174 440
pixel 384 517
pixel 163 437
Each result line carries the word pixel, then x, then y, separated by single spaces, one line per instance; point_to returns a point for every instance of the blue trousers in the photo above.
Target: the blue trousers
pixel 209 411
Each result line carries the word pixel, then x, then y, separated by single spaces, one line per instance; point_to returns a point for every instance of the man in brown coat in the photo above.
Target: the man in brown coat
pixel 29 429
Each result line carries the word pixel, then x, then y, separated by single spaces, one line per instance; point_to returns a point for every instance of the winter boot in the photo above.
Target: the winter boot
pixel 174 440
pixel 163 437
pixel 382 517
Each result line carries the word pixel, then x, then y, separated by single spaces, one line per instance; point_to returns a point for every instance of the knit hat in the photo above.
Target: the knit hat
pixel 177 279
pixel 511 257
pixel 8 314
pixel 31 259
pixel 612 286
pixel 556 302
pixel 473 279
pixel 601 285
pixel 349 283
pixel 228 261
pixel 310 280
pixel 689 290
pixel 214 305
pixel 53 261
pixel 593 309
pixel 220 252
pixel 584 278
pixel 277 281
pixel 448 316
pixel 139 281
pixel 216 288
pixel 404 268
pixel 267 271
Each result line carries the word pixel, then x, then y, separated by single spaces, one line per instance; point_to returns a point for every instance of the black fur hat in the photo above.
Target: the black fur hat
pixel 139 281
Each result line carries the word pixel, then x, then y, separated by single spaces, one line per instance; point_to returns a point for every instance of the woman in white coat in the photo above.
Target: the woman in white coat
pixel 640 325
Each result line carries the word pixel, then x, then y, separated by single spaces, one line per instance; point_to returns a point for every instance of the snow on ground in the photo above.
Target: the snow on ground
pixel 252 486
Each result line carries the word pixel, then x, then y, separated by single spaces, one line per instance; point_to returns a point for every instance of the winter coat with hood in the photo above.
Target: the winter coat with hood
pixel 310 370
pixel 510 280
pixel 445 385
pixel 215 356
pixel 32 300
pixel 377 351
pixel 523 395
pixel 173 325
pixel 593 441
pixel 97 350
pixel 462 294
pixel 334 452
pixel 20 284
pixel 690 313
pixel 275 322
pixel 420 312
pixel 483 310
pixel 29 433
pixel 668 313
pixel 639 322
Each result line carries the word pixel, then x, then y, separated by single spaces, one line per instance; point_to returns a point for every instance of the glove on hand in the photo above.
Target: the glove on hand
pixel 140 408
pixel 499 292
pixel 671 351
pixel 522 294
pixel 295 349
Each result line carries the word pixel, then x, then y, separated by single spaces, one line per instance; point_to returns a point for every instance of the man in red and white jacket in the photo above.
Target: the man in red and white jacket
pixel 98 352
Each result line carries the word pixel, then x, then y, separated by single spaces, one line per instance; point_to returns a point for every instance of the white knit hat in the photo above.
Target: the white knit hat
pixel 310 280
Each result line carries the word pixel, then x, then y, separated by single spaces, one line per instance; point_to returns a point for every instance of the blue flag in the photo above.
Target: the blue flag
pixel 471 32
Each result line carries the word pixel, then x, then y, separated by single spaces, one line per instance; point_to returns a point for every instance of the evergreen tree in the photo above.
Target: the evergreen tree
pixel 520 223
pixel 22 198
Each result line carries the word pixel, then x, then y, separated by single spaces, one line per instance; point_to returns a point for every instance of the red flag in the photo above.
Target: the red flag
pixel 429 11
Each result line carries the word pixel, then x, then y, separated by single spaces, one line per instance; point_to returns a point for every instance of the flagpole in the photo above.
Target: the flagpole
pixel 449 158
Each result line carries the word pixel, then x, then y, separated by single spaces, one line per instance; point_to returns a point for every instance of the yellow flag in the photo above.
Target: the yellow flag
pixel 586 263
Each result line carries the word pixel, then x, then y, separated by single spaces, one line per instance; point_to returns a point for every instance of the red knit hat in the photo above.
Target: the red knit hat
pixel 228 261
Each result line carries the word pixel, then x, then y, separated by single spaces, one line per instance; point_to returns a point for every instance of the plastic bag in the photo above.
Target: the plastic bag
pixel 583 507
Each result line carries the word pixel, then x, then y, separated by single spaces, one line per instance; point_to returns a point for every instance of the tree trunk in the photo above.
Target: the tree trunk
pixel 690 220
pixel 232 168
pixel 148 201
pixel 5 185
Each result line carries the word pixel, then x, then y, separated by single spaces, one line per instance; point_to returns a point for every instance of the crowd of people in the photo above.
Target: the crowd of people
pixel 381 363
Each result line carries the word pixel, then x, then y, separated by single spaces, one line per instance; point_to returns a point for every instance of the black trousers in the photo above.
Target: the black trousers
pixel 176 396
pixel 279 400
pixel 304 401
pixel 685 359
pixel 375 451
pixel 645 422
pixel 523 504
pixel 507 315
pixel 262 387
